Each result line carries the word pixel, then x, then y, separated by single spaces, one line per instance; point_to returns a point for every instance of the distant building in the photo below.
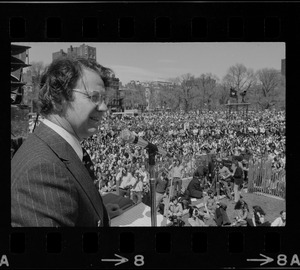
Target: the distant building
pixel 115 103
pixel 120 103
pixel 83 50
pixel 145 84
pixel 151 83
pixel 283 67
pixel 58 54
pixel 157 83
pixel 114 83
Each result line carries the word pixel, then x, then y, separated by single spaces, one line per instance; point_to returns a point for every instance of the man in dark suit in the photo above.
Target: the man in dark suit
pixel 50 185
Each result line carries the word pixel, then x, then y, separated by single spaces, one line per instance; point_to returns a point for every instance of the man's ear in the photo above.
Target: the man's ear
pixel 59 107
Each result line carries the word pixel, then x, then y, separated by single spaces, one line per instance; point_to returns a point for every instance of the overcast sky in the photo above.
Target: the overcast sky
pixel 161 61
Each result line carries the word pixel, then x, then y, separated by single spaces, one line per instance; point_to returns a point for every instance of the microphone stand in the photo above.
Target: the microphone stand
pixel 152 151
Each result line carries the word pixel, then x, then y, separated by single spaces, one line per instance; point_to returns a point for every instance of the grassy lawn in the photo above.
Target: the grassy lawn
pixel 271 205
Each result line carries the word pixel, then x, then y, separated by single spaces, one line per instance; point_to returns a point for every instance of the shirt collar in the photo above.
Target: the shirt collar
pixel 71 139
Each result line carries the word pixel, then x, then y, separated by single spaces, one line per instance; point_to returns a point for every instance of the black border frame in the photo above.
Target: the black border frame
pixel 258 19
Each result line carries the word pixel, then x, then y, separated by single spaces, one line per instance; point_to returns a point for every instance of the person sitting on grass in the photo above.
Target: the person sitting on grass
pixel 242 216
pixel 175 212
pixel 197 216
pixel 221 217
pixel 194 189
pixel 280 221
pixel 258 218
pixel 185 202
pixel 175 208
pixel 201 172
pixel 210 203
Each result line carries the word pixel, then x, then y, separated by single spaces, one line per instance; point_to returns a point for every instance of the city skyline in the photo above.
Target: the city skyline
pixel 162 61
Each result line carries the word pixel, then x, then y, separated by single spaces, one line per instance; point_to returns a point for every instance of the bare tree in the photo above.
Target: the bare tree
pixel 207 83
pixel 34 75
pixel 169 95
pixel 135 96
pixel 165 96
pixel 36 69
pixel 187 85
pixel 269 81
pixel 186 91
pixel 190 92
pixel 240 78
pixel 222 93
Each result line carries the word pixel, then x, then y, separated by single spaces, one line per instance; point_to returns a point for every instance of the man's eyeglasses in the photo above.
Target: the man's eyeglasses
pixel 96 97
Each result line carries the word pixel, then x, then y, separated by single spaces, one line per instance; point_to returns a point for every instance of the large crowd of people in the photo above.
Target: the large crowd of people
pixel 123 168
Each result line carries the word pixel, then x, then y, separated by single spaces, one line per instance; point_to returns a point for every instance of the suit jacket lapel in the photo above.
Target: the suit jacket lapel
pixel 75 166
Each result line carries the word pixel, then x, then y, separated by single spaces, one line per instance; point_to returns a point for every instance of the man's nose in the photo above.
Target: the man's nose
pixel 102 107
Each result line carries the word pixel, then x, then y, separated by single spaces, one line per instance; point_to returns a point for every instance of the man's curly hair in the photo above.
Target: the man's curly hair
pixel 61 77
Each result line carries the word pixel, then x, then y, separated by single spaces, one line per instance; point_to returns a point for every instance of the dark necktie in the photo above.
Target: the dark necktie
pixel 88 163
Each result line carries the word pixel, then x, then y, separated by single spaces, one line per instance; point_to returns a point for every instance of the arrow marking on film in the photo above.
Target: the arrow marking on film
pixel 119 261
pixel 264 261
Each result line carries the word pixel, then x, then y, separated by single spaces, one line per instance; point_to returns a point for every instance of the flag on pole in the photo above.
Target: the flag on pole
pixel 233 93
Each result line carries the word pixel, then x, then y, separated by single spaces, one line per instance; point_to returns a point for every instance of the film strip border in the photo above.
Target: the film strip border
pixel 148 22
pixel 92 28
pixel 158 247
pixel 164 248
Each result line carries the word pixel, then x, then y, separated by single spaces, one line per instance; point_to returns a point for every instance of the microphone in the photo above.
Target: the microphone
pixel 127 136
